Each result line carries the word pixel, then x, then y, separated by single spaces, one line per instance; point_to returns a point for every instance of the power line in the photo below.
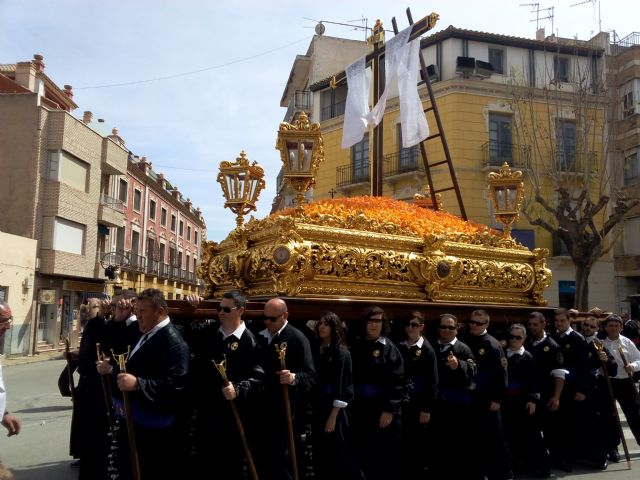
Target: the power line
pixel 193 72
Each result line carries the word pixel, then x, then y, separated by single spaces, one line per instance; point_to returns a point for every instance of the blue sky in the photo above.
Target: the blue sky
pixel 188 124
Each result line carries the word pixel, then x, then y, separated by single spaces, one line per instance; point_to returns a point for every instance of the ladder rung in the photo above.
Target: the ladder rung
pixel 431 137
pixel 428 109
pixel 431 165
pixel 444 189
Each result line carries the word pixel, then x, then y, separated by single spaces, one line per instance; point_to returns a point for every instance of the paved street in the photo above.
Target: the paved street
pixel 41 450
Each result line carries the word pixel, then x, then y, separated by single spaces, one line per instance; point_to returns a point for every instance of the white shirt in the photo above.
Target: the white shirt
pixel 266 334
pixel 418 343
pixel 630 351
pixel 511 353
pixel 150 334
pixel 452 343
pixel 236 333
pixel 131 319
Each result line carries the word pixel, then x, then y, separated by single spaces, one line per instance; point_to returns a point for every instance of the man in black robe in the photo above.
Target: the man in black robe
pixel 216 432
pixel 156 380
pixel 299 377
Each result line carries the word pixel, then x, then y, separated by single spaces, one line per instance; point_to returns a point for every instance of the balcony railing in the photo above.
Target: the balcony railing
pixel 568 160
pixel 405 161
pixel 494 154
pixel 153 267
pixel 111 202
pixel 346 175
pixel 136 263
pixel 301 102
pixel 332 111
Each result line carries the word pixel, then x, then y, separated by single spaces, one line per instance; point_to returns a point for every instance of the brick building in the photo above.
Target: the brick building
pixel 62 180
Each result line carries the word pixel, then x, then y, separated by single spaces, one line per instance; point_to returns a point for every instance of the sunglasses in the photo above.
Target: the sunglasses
pixel 447 327
pixel 226 309
pixel 477 323
pixel 271 319
pixel 516 337
pixel 413 325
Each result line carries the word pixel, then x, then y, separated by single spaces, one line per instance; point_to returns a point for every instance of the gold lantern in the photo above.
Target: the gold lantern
pixel 241 185
pixel 302 151
pixel 506 191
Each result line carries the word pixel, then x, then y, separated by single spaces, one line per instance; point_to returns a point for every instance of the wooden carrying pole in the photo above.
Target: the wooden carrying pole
pixel 282 351
pixel 222 368
pixel 133 449
pixel 600 348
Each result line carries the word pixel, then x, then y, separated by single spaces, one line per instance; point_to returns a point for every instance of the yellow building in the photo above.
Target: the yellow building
pixel 471 74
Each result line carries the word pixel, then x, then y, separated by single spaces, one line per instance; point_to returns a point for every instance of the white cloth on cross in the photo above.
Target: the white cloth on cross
pixel 401 64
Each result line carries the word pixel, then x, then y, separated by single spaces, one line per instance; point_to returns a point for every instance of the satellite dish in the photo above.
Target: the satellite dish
pixel 320 28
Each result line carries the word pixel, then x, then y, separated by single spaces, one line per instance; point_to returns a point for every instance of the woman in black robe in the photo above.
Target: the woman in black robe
pixel 332 453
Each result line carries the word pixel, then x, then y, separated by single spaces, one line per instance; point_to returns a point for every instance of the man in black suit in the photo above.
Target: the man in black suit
pixel 156 381
pixel 299 376
pixel 231 342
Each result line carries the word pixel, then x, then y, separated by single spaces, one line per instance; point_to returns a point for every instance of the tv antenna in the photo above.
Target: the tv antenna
pixel 364 25
pixel 599 16
pixel 537 10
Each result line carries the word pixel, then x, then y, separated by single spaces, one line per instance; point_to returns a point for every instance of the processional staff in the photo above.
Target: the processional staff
pixel 67 352
pixel 222 368
pixel 106 390
pixel 133 449
pixel 282 352
pixel 630 375
pixel 600 347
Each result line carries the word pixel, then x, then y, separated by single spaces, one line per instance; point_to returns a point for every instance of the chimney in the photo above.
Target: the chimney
pixel 188 204
pixel 115 137
pixel 162 181
pixel 38 61
pixel 68 91
pixel 87 117
pixel 26 75
pixel 145 165
pixel 199 213
pixel 175 192
pixel 540 34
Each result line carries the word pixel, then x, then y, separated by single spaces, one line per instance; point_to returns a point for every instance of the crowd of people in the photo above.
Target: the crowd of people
pixel 378 400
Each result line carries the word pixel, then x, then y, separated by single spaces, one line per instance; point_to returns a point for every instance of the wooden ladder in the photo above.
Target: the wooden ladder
pixel 439 135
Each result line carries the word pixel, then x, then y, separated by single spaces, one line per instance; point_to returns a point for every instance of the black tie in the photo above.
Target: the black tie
pixel 144 339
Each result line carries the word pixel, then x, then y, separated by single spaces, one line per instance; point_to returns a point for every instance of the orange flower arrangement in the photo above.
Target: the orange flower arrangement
pixel 421 221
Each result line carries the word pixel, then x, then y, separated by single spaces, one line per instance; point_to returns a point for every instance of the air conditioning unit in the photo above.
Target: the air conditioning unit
pixel 465 66
pixel 433 72
pixel 483 69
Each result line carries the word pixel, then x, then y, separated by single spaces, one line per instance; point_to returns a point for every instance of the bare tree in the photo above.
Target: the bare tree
pixel 570 127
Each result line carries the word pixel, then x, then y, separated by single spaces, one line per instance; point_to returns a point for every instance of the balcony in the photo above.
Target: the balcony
pixel 301 102
pixel 570 161
pixel 110 211
pixel 113 158
pixel 153 267
pixel 347 176
pixel 134 263
pixel 495 154
pixel 403 163
pixel 627 266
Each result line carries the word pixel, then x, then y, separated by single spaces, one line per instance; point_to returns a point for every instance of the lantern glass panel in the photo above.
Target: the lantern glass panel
pixel 292 154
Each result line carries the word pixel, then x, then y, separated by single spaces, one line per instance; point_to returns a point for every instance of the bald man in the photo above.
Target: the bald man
pixel 11 423
pixel 299 376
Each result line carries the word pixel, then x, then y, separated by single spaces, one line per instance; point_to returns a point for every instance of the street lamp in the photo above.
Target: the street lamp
pixel 301 151
pixel 506 191
pixel 241 185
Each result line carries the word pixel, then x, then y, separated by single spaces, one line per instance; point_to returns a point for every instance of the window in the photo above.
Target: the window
pixel 195 264
pixel 188 263
pixel 173 223
pixel 332 102
pixel 496 59
pixel 135 242
pixel 407 157
pixel 67 169
pixel 630 237
pixel 631 168
pixel 360 160
pixel 560 69
pixel 123 190
pixel 152 209
pixel 524 237
pixel 566 293
pixel 566 145
pixel 188 233
pixel 137 199
pixel 181 231
pixel 68 236
pixel 628 107
pixel 500 146
pixel 4 294
pixel 163 217
pixel 195 237
pixel 120 234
